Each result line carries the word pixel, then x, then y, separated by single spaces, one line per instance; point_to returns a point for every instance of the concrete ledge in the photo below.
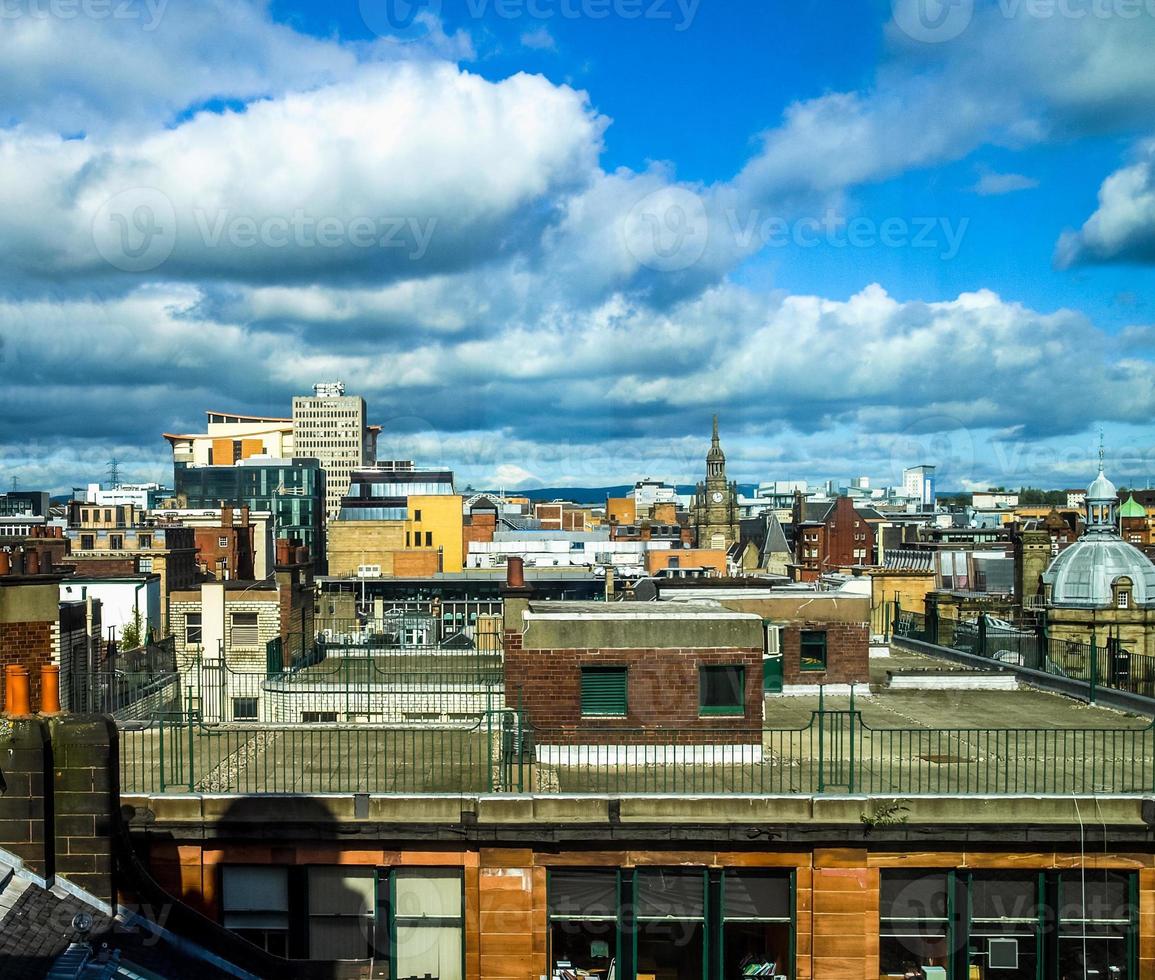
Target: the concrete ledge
pixel 633 755
pixel 546 811
pixel 952 681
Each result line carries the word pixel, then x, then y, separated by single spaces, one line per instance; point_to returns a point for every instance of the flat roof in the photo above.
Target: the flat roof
pixel 608 611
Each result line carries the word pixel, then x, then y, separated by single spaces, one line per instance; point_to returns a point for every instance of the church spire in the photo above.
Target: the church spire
pixel 715 458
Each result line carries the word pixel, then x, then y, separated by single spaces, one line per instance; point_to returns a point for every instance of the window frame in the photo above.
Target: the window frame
pixel 198 626
pixel 604 670
pixel 255 716
pixel 824 665
pixel 255 626
pixel 441 921
pixel 737 710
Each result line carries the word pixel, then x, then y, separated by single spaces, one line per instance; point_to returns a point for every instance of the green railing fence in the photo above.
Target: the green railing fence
pixel 835 753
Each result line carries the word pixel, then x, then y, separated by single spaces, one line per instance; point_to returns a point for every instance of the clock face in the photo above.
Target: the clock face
pixel 717 496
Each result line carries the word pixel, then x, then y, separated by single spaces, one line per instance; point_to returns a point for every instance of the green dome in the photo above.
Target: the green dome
pixel 1132 508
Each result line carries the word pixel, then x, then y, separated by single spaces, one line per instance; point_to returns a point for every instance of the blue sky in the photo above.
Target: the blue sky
pixel 547 239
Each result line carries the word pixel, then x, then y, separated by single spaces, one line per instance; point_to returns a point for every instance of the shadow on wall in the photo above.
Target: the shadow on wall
pixel 280 916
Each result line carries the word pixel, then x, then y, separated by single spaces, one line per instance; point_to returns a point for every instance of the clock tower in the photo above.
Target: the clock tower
pixel 715 508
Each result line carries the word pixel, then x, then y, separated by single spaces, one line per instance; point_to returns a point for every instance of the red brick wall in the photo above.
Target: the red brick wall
pixel 30 645
pixel 847 654
pixel 662 692
pixel 105 567
pixel 237 552
pixel 840 541
pixel 480 528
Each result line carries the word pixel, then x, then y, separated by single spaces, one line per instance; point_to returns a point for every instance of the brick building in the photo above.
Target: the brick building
pixel 584 673
pixel 811 637
pixel 121 540
pixel 830 536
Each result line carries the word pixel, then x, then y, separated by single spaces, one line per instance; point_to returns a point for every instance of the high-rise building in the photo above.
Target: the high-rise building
pixel 330 427
pixel 918 485
pixel 293 491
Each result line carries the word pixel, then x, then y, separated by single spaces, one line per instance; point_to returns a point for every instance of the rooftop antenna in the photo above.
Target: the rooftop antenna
pixel 15 482
pixel 114 471
pixel 1101 454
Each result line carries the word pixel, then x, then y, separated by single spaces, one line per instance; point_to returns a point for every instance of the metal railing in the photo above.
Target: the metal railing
pixel 835 752
pixel 1109 665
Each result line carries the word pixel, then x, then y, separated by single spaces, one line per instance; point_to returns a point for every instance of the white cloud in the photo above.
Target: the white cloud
pixel 991 184
pixel 1122 229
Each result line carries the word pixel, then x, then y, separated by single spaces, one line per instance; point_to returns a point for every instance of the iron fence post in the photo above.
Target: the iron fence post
pixel 853 725
pixel 1094 666
pixel 191 777
pixel 821 733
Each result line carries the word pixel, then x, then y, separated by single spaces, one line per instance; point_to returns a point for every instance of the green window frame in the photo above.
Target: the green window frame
pixel 605 692
pixel 812 650
pixel 722 690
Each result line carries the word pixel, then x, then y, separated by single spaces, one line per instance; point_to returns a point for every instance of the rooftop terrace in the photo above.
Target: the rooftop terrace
pixel 898 743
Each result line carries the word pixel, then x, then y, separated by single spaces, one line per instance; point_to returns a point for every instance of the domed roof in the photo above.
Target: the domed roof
pixel 1102 489
pixel 1132 508
pixel 1082 575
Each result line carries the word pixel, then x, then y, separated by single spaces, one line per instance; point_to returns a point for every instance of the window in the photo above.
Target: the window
pixel 812 650
pixel 342 908
pixel 243 632
pixel 417 515
pixel 192 629
pixel 1124 599
pixel 583 920
pixel 244 709
pixel 1097 924
pixel 722 690
pixel 428 922
pixel 428 539
pixel 1004 940
pixel 116 542
pixel 144 541
pixel 671 924
pixel 604 692
pixel 144 564
pixel 757 924
pixel 87 542
pixel 222 542
pixel 255 905
pixel 318 717
pixel 915 920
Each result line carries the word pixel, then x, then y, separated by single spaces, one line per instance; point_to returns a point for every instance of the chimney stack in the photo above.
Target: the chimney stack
pixel 515 573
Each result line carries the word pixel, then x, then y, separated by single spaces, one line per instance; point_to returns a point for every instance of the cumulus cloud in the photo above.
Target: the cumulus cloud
pixel 148 61
pixel 1122 229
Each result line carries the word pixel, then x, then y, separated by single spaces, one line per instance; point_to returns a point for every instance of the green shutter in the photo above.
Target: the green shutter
pixel 604 691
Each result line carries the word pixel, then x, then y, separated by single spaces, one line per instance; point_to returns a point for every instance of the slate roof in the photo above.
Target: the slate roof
pixel 39 942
